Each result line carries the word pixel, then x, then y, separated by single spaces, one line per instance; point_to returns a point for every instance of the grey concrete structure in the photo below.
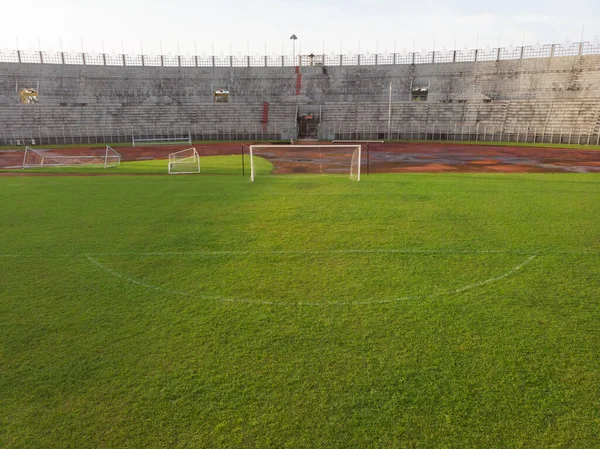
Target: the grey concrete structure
pixel 556 96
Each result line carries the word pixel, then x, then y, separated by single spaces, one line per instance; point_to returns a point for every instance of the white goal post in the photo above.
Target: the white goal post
pixel 184 162
pixel 46 157
pixel 322 159
pixel 162 140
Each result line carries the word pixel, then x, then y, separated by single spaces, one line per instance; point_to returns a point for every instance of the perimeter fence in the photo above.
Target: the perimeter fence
pixel 74 134
pixel 66 135
pixel 396 58
pixel 461 132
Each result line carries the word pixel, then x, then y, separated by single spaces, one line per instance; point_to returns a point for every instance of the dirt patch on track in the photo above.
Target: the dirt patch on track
pixel 380 158
pixel 426 157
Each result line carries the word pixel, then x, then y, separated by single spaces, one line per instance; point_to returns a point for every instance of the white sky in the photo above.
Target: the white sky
pixel 347 25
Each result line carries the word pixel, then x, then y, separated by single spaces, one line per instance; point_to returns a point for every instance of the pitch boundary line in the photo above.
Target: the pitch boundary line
pixel 300 252
pixel 308 303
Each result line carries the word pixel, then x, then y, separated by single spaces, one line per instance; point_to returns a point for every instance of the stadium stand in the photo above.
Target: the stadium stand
pixel 528 97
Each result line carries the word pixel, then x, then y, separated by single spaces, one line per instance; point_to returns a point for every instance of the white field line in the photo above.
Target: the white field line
pixel 308 303
pixel 300 252
pixel 498 278
pixel 146 285
pixel 131 280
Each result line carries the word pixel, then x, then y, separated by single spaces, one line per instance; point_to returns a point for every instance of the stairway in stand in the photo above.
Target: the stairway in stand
pixel 265 116
pixel 298 80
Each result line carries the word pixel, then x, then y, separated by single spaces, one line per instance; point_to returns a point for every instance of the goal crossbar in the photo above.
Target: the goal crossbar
pixel 358 141
pixel 355 153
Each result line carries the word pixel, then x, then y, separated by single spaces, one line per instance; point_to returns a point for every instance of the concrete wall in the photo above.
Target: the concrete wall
pixel 543 78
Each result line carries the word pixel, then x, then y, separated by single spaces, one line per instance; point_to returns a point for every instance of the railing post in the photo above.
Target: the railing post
pixel 19 55
pixel 454 56
pixel 83 58
pixel 413 58
pixel 196 60
pixel 179 60
pixel 358 59
pixel 498 54
pixel 41 57
pixel 552 51
pixel 162 60
pixel 143 61
pixel 123 58
pixel 476 52
pixel 104 58
pixel 341 60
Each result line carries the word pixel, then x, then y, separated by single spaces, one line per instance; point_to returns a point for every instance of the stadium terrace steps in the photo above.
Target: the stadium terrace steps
pixel 56 122
pixel 560 93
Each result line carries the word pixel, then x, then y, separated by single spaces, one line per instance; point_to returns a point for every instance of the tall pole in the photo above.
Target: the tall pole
pixel 293 37
pixel 390 113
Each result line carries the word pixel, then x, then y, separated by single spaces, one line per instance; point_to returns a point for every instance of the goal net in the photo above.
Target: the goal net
pixel 310 159
pixel 184 161
pixel 95 157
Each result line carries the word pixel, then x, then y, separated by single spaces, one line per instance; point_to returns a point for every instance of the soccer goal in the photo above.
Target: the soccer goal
pixel 47 157
pixel 162 140
pixel 184 161
pixel 314 159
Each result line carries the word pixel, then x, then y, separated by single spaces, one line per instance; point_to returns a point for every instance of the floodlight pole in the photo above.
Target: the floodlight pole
pixel 293 37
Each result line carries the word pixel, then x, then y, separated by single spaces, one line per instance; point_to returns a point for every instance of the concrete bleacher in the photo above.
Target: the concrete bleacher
pixel 72 124
pixel 523 118
pixel 78 102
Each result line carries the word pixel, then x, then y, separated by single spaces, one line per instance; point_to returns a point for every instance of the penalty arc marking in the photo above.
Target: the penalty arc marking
pixel 308 303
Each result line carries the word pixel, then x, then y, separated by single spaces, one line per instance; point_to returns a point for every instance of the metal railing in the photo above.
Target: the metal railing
pixel 73 134
pixel 396 58
pixel 461 132
pixel 326 131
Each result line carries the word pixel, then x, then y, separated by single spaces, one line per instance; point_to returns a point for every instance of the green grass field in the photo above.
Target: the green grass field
pixel 409 311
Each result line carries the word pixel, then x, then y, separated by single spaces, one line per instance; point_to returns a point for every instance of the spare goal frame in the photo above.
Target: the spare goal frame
pixel 45 158
pixel 193 160
pixel 162 140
